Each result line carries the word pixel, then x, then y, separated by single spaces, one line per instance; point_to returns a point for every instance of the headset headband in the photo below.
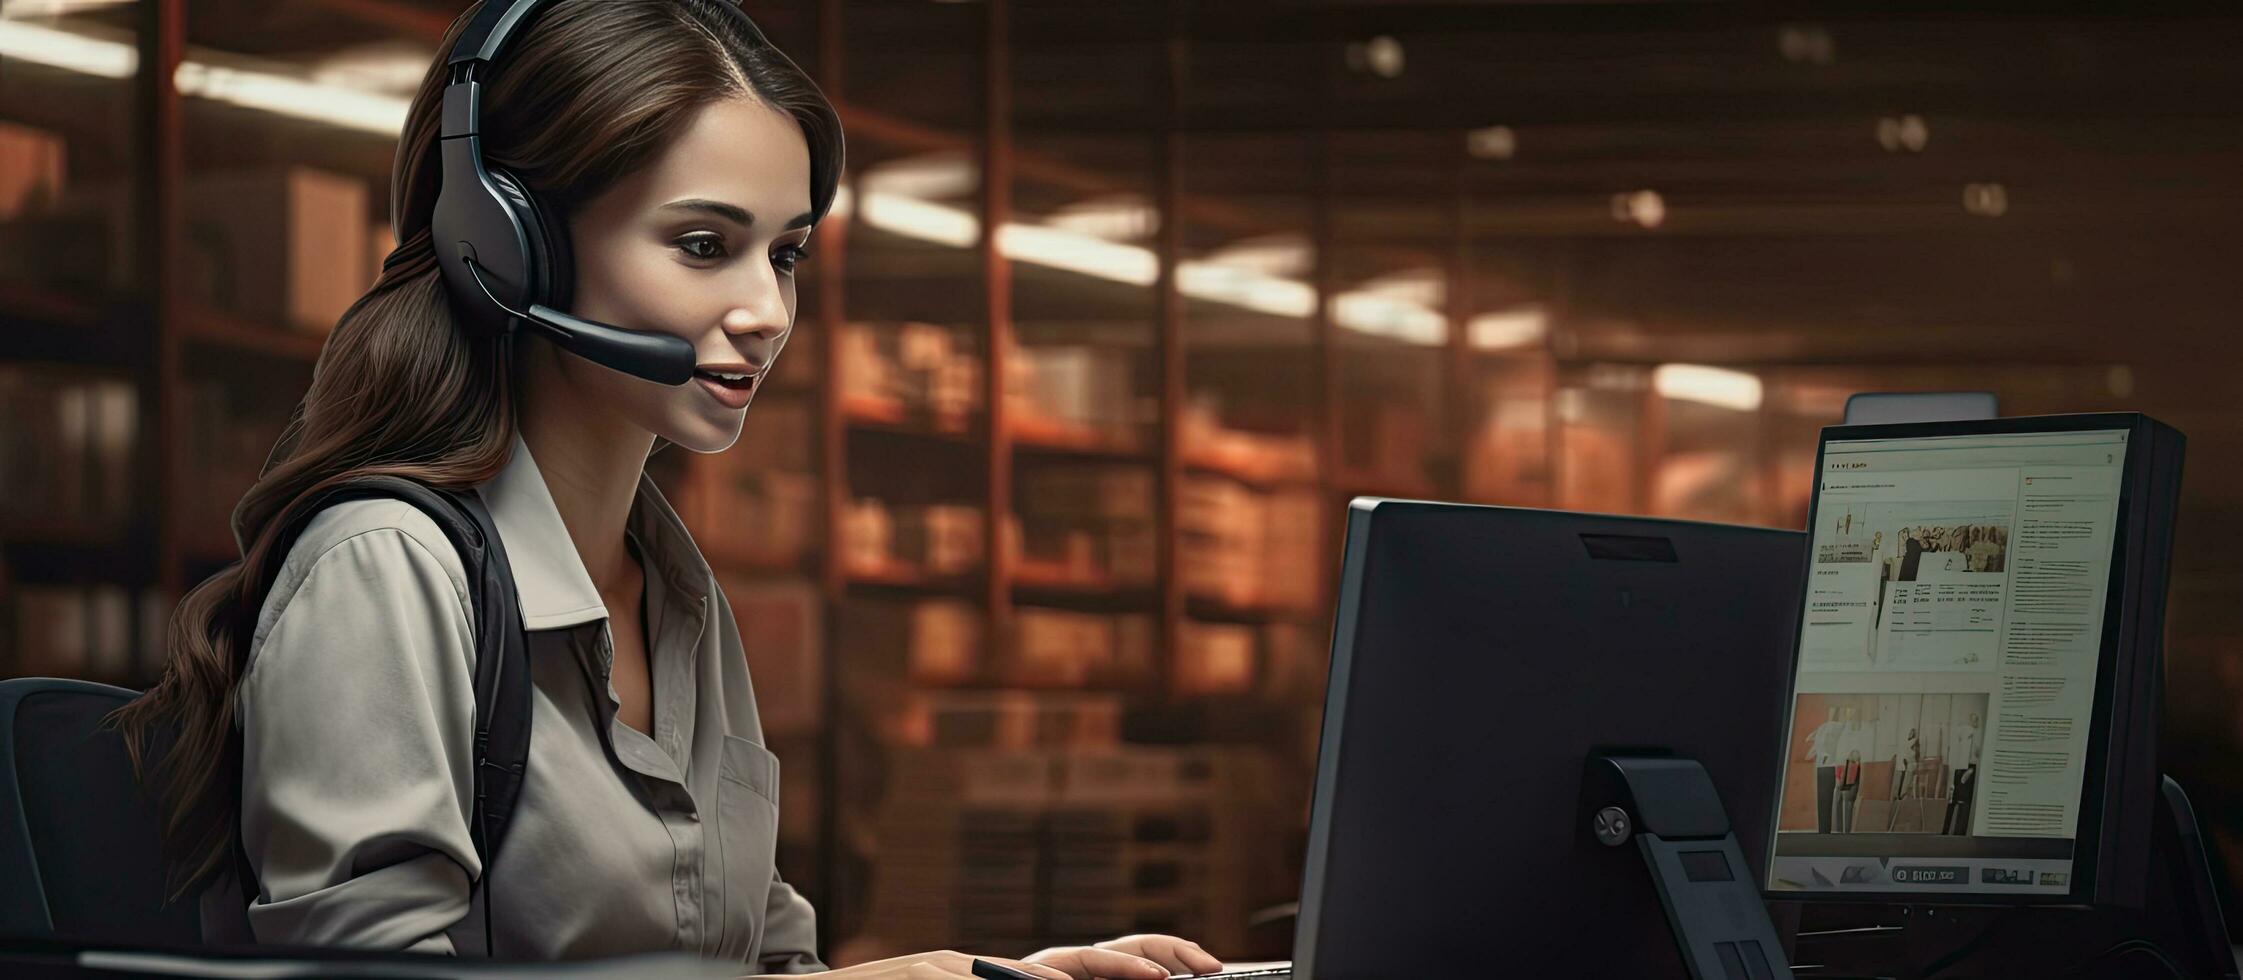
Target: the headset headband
pixel 494 26
pixel 487 35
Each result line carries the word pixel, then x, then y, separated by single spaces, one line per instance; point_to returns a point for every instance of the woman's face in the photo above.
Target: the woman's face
pixel 701 243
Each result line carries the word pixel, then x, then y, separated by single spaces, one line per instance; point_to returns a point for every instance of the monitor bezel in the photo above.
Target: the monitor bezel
pixel 2087 838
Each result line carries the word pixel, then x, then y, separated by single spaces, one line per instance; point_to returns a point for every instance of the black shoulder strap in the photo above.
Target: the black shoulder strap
pixel 502 674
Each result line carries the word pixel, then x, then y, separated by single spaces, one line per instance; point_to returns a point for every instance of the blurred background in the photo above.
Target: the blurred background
pixel 1033 537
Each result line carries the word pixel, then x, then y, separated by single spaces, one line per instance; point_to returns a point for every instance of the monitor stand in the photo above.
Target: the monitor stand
pixel 1670 808
pixel 2181 857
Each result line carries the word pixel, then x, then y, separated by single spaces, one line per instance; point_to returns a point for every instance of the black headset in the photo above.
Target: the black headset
pixel 505 254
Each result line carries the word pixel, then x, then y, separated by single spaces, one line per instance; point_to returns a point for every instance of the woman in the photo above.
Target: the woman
pixel 682 148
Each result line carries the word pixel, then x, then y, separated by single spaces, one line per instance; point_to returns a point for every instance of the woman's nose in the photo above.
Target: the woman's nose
pixel 763 318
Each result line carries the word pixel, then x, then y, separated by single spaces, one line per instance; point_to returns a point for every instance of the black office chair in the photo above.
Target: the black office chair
pixel 80 854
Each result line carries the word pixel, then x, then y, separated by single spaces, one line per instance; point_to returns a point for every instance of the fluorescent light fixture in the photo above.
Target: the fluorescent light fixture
pixel 1281 254
pixel 1115 218
pixel 1421 286
pixel 1719 387
pixel 928 177
pixel 282 95
pixel 1384 316
pixel 914 218
pixel 1507 329
pixel 106 57
pixel 1221 282
pixel 394 68
pixel 1076 252
pixel 67 50
pixel 1216 279
pixel 54 8
pixel 1644 208
pixel 1492 142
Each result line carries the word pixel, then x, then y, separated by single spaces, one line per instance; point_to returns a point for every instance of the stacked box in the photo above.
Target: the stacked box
pixel 1249 547
pixel 1014 720
pixel 1214 658
pixel 939 539
pixel 1018 850
pixel 928 641
pixel 1073 395
pixel 759 501
pixel 1258 456
pixel 71 631
pixel 1219 540
pixel 68 444
pixel 1062 648
pixel 285 246
pixel 958 840
pixel 1087 525
pixel 910 372
pixel 74 241
pixel 879 538
pixel 32 167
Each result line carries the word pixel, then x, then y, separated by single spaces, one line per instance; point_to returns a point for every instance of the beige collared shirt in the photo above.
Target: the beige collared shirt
pixel 357 714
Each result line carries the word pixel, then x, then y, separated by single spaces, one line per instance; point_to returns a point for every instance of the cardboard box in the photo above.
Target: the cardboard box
pixel 286 246
pixel 32 167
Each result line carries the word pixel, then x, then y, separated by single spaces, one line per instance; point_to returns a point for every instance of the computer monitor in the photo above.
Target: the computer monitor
pixel 1974 694
pixel 1480 656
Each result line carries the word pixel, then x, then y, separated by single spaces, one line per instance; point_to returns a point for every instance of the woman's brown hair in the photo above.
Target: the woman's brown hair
pixel 590 92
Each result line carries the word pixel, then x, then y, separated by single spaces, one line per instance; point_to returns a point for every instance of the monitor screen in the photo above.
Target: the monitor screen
pixel 1945 680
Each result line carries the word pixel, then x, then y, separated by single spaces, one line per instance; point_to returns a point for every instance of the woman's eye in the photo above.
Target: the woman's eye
pixel 702 247
pixel 791 256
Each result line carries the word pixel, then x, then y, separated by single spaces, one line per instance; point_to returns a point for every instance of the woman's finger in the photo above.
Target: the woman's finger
pixel 1198 959
pixel 1113 964
pixel 1178 955
pixel 1034 969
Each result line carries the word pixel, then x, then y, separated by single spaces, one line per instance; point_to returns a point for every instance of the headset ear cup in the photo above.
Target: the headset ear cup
pixel 560 258
pixel 539 263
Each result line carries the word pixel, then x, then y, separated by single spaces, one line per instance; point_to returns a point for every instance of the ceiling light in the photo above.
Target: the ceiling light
pixel 1806 44
pixel 396 69
pixel 913 218
pixel 1507 329
pixel 94 53
pixel 1423 286
pixel 1644 208
pixel 1986 200
pixel 282 95
pixel 1386 316
pixel 1076 252
pixel 1114 217
pixel 2120 381
pixel 1897 133
pixel 1492 142
pixel 1719 387
pixel 927 177
pixel 85 54
pixel 54 8
pixel 1381 56
pixel 1283 254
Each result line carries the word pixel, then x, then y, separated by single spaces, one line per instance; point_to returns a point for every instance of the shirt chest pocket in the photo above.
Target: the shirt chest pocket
pixel 748 836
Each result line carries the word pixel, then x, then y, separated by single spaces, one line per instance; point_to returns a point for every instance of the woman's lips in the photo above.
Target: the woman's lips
pixel 730 394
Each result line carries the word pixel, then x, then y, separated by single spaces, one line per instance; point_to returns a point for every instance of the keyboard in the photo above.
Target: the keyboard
pixel 1267 973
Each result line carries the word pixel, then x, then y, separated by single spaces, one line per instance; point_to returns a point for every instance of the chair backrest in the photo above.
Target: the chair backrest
pixel 80 850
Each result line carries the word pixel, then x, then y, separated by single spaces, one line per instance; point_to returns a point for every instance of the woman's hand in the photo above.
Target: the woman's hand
pixel 943 965
pixel 1130 958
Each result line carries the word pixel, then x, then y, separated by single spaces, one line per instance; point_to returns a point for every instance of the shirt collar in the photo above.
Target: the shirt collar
pixel 550 581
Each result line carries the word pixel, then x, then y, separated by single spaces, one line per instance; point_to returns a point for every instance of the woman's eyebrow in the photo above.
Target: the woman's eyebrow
pixel 731 212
